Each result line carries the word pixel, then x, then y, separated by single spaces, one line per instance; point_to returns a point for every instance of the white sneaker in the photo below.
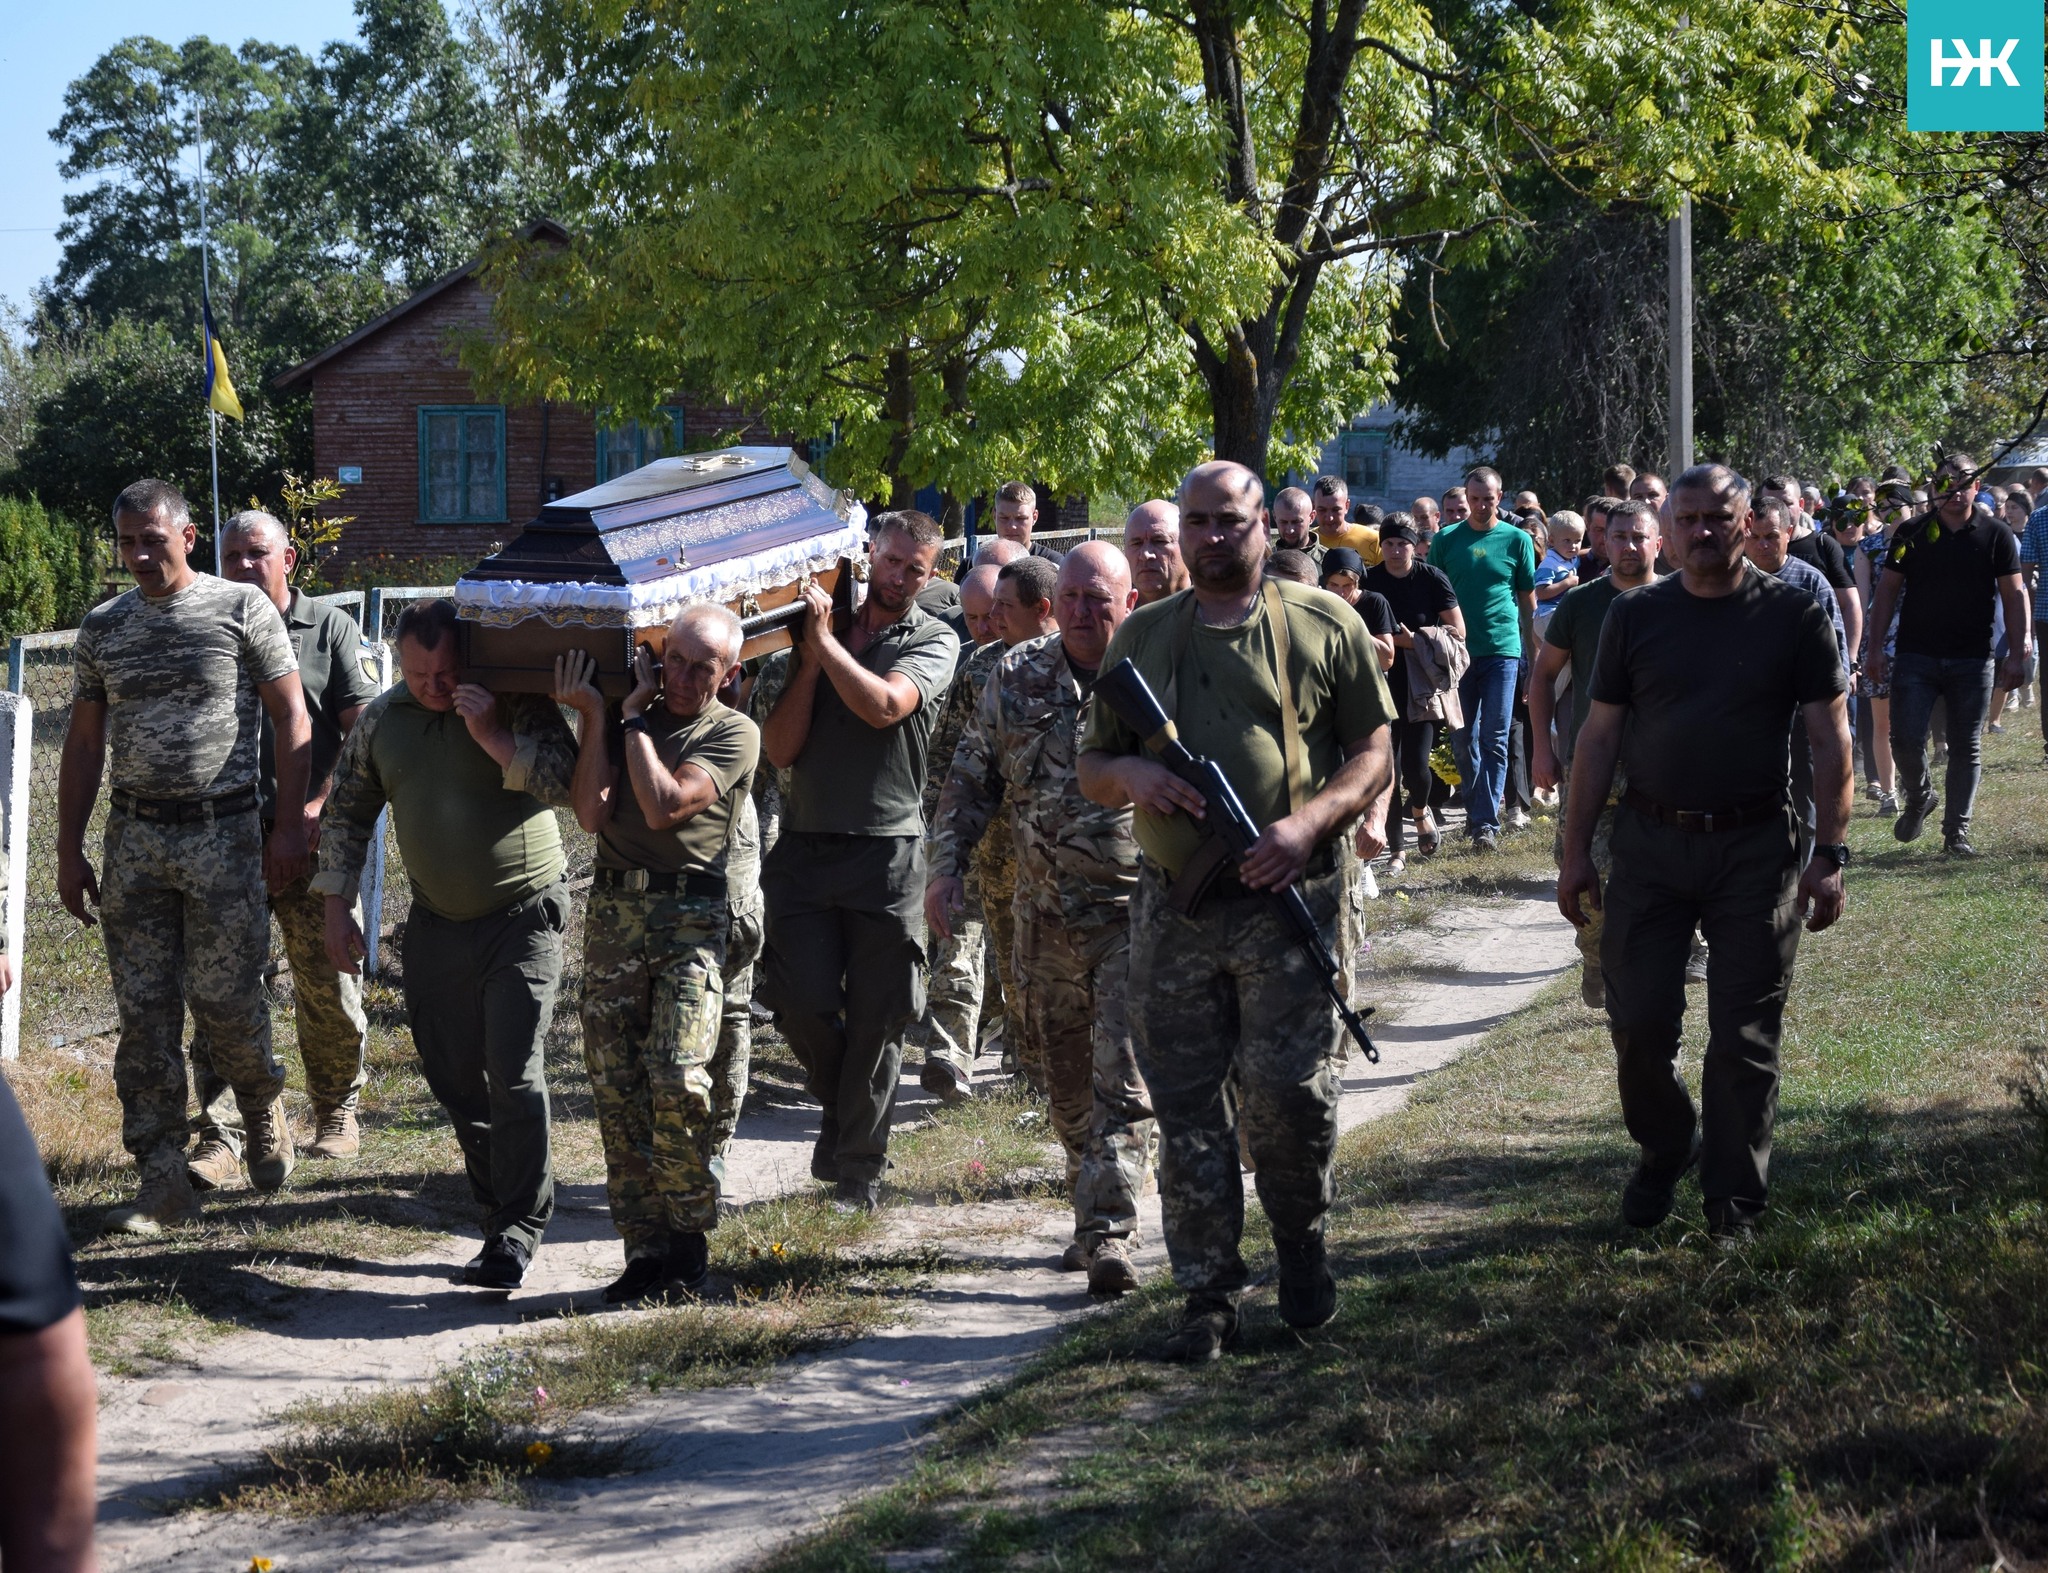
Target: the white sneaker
pixel 1518 819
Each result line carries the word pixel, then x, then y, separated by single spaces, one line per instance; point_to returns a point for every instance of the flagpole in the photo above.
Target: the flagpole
pixel 206 284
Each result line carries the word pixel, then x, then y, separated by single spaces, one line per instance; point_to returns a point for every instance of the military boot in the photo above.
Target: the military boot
pixel 165 1198
pixel 270 1155
pixel 214 1165
pixel 334 1131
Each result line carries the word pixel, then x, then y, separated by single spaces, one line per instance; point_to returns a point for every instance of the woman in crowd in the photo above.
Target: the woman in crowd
pixel 1419 597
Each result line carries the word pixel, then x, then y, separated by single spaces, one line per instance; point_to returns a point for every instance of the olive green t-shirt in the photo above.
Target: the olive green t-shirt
pixel 853 779
pixel 719 741
pixel 1224 704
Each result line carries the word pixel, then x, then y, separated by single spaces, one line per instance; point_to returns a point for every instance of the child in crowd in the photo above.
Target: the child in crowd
pixel 1559 570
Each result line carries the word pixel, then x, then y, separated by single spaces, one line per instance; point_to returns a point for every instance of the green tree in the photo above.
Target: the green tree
pixel 1096 235
pixel 129 408
pixel 49 568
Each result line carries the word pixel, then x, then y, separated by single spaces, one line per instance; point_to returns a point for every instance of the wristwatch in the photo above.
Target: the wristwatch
pixel 633 723
pixel 1836 853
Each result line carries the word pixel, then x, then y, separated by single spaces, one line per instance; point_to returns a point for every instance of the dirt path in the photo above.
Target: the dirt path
pixel 722 1475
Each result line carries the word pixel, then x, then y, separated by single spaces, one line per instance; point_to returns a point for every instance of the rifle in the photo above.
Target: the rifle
pixel 1124 689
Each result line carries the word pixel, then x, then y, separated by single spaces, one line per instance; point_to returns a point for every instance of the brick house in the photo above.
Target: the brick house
pixel 432 471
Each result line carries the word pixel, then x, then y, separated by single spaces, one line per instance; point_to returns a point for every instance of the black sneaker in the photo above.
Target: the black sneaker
pixel 501 1264
pixel 642 1277
pixel 1732 1233
pixel 1958 845
pixel 825 1150
pixel 689 1260
pixel 1913 815
pixel 858 1196
pixel 1647 1198
pixel 1486 841
pixel 1207 1328
pixel 1308 1294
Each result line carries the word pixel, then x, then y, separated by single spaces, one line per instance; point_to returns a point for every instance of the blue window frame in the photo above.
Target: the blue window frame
pixel 462 463
pixel 1365 462
pixel 623 449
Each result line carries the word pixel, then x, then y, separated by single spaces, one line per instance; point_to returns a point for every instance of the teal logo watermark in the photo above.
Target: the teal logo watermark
pixel 1974 65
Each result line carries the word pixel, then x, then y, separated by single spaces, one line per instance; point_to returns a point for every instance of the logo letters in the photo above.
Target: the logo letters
pixel 1962 62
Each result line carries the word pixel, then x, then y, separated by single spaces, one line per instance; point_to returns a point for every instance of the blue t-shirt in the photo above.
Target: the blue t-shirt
pixel 1552 570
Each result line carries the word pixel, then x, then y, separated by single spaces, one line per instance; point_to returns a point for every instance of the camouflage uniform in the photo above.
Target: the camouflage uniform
pixel 182 905
pixel 742 949
pixel 654 963
pixel 1076 864
pixel 950 1029
pixel 771 785
pixel 653 1004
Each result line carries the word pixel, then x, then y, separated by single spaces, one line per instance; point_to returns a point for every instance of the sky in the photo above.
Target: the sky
pixel 46 45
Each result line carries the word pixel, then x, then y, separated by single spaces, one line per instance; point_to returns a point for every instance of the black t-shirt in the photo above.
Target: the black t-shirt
pixel 1711 685
pixel 1951 584
pixel 1418 599
pixel 37 1284
pixel 1825 553
pixel 1379 617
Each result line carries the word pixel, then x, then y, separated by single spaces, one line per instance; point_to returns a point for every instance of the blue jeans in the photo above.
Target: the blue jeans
pixel 1917 682
pixel 1487 691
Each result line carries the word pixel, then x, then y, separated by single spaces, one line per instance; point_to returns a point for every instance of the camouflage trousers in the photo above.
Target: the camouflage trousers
pixel 653 1013
pixel 1227 996
pixel 327 1007
pixel 186 925
pixel 1076 983
pixel 1603 864
pixel 995 863
pixel 735 1034
pixel 950 1029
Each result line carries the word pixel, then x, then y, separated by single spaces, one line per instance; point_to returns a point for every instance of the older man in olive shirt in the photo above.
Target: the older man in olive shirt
pixel 845 883
pixel 468 777
pixel 256 549
pixel 1693 692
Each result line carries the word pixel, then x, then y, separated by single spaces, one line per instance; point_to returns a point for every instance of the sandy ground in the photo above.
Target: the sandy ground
pixel 720 1476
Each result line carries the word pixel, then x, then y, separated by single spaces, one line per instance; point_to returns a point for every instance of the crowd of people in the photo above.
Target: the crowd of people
pixel 921 833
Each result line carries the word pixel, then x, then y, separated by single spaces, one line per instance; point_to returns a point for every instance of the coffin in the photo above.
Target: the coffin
pixel 608 569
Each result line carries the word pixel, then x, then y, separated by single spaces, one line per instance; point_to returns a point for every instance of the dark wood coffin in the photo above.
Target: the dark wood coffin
pixel 677 518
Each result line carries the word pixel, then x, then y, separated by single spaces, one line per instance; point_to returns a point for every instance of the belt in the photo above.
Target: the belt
pixel 185 810
pixel 1227 887
pixel 709 886
pixel 1706 821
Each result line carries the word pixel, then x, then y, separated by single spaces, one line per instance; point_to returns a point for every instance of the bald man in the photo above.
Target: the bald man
pixel 962 971
pixel 1280 685
pixel 328 1005
pixel 1294 518
pixel 1076 867
pixel 1152 548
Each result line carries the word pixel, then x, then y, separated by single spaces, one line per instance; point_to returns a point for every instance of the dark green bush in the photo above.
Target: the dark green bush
pixel 49 568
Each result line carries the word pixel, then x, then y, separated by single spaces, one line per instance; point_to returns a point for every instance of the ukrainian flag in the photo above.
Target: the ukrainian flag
pixel 220 387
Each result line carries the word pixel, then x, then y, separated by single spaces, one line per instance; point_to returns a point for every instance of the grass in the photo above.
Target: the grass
pixel 997 1146
pixel 1514 1380
pixel 791 1277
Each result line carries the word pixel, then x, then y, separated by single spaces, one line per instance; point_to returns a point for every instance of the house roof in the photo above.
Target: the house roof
pixel 284 381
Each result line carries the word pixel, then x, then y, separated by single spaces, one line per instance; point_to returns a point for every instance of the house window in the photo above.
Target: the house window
pixel 1365 461
pixel 623 449
pixel 462 464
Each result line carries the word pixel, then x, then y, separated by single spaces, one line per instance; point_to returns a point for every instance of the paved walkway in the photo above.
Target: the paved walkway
pixel 724 1475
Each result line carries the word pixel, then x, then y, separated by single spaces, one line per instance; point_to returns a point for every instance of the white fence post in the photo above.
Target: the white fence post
pixel 17 727
pixel 372 884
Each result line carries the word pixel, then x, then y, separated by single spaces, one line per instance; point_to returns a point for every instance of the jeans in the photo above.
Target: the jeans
pixel 1918 682
pixel 2040 644
pixel 1487 691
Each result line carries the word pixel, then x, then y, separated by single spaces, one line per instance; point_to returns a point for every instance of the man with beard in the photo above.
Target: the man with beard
pixel 1279 684
pixel 1695 687
pixel 1152 548
pixel 843 969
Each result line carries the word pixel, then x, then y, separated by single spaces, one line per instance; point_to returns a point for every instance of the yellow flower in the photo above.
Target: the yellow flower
pixel 259 1565
pixel 776 1250
pixel 538 1453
